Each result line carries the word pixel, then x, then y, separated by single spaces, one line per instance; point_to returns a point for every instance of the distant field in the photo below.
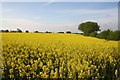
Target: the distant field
pixel 41 55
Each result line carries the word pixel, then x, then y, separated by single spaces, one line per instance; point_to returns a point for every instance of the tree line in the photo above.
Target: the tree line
pixel 27 31
pixel 15 31
pixel 88 28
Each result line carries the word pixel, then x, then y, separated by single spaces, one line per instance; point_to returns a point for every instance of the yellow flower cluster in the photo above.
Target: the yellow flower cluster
pixel 31 56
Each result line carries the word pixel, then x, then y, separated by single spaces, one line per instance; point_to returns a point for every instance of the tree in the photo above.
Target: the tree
pixel 4 30
pixel 109 35
pixel 68 32
pixel 27 31
pixel 36 31
pixel 103 34
pixel 18 30
pixel 88 27
pixel 60 32
pixel 46 32
pixel 114 35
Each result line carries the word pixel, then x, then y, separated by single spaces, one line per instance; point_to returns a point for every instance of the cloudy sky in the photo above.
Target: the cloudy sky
pixel 58 16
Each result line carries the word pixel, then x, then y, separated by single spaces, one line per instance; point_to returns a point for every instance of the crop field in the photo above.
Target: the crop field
pixel 32 56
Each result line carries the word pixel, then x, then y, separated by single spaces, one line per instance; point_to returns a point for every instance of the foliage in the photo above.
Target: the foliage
pixel 35 56
pixel 114 35
pixel 36 31
pixel 109 35
pixel 4 30
pixel 60 32
pixel 68 32
pixel 48 32
pixel 104 34
pixel 93 34
pixel 88 27
pixel 27 31
pixel 18 30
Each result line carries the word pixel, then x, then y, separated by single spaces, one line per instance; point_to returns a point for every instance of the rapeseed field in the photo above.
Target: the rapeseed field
pixel 32 56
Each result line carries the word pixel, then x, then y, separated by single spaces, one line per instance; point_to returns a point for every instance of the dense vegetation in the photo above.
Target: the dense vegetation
pixel 88 27
pixel 91 28
pixel 109 35
pixel 30 56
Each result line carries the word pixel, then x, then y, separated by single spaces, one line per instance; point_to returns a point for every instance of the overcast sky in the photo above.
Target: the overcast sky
pixel 58 16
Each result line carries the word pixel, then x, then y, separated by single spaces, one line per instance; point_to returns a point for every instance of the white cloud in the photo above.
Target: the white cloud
pixel 7 10
pixel 36 17
pixel 24 24
pixel 108 23
pixel 60 27
pixel 107 18
pixel 88 12
pixel 48 3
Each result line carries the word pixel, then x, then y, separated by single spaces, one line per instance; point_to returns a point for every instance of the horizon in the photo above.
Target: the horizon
pixel 58 16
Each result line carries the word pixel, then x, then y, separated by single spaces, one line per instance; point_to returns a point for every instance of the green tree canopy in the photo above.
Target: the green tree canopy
pixel 109 35
pixel 104 34
pixel 88 27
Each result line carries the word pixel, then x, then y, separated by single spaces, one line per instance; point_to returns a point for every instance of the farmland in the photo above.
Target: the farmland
pixel 42 55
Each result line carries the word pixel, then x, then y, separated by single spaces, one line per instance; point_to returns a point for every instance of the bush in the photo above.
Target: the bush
pixel 18 30
pixel 27 31
pixel 4 30
pixel 93 34
pixel 68 32
pixel 109 35
pixel 114 35
pixel 117 33
pixel 60 32
pixel 13 31
pixel 36 31
pixel 48 32
pixel 103 34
